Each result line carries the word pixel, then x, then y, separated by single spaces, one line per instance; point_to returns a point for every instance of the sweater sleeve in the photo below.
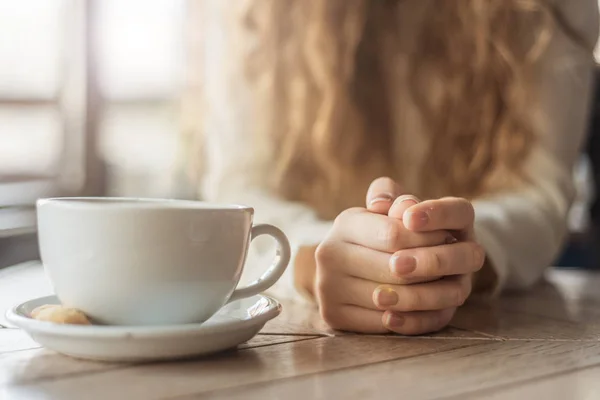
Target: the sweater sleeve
pixel 523 231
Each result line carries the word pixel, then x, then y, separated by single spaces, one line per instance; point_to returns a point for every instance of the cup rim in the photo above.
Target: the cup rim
pixel 138 203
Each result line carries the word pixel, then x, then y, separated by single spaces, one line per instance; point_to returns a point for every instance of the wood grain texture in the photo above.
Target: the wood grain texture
pixel 22 367
pixel 260 365
pixel 576 385
pixel 544 343
pixel 440 375
pixel 568 296
pixel 496 321
pixel 18 366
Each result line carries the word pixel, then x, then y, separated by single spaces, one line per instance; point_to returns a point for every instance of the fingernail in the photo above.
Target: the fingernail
pixel 416 220
pixel 405 198
pixel 403 265
pixel 394 321
pixel 385 297
pixel 383 197
pixel 451 239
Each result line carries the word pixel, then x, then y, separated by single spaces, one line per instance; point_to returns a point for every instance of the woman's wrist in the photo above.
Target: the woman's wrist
pixel 305 268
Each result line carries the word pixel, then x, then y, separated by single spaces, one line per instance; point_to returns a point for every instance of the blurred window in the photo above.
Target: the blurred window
pixel 87 92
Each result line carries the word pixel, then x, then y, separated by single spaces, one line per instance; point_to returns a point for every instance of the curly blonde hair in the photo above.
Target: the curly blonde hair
pixel 329 66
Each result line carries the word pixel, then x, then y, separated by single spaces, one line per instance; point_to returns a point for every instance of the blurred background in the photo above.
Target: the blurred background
pixel 89 105
pixel 89 95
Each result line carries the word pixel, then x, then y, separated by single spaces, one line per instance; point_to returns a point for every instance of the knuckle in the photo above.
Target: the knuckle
pixel 350 212
pixel 346 215
pixel 327 313
pixel 475 255
pixel 469 210
pixel 433 322
pixel 330 315
pixel 390 235
pixel 320 288
pixel 326 254
pixel 322 285
pixel 445 317
pixel 413 325
pixel 434 262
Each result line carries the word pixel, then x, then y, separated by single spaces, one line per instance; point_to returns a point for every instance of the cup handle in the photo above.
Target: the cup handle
pixel 275 271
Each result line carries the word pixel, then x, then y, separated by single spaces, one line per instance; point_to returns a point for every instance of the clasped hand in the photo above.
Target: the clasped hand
pixel 398 265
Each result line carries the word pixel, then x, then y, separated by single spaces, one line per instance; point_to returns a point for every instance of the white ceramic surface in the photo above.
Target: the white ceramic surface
pixel 150 262
pixel 236 323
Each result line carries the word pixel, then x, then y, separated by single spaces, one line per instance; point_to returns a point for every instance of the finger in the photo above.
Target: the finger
pixel 448 213
pixel 417 323
pixel 362 262
pixel 353 319
pixel 380 232
pixel 451 259
pixel 401 204
pixel 444 293
pixel 339 314
pixel 441 294
pixel 381 195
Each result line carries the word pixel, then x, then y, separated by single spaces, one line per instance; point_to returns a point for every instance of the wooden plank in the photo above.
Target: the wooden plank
pixel 575 310
pixel 566 297
pixel 21 367
pixel 263 364
pixel 49 365
pixel 577 385
pixel 441 375
pixel 514 325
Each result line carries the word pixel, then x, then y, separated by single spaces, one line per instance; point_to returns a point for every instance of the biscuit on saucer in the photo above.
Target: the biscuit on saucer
pixel 60 315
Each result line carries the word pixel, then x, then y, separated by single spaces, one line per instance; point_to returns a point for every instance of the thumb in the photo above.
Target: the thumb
pixel 401 204
pixel 381 195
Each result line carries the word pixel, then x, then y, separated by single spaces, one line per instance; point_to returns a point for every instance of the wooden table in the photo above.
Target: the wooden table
pixel 545 344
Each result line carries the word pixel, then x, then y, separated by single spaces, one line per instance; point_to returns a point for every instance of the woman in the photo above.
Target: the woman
pixel 475 109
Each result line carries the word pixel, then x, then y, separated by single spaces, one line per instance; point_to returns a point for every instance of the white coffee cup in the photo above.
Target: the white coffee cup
pixel 150 262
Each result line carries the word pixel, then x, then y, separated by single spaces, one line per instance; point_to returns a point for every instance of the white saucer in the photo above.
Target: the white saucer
pixel 234 324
